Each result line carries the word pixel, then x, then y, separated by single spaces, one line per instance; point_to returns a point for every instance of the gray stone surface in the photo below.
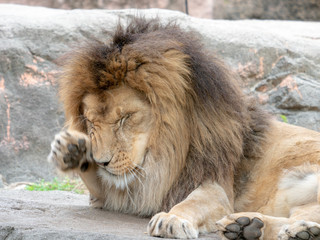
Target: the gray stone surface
pixel 308 10
pixel 60 215
pixel 277 61
pixel 2 182
pixel 271 9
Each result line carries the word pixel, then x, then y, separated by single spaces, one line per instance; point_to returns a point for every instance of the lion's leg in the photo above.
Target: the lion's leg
pixel 301 189
pixel 299 193
pixel 302 225
pixel 71 151
pixel 94 185
pixel 305 219
pixel 196 214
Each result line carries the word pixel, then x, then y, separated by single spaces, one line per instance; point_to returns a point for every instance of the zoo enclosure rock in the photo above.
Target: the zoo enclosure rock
pixel 276 61
pixel 267 9
pixel 218 9
pixel 63 215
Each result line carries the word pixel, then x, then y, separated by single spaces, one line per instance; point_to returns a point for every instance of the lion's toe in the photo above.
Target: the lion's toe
pixel 250 230
pixel 241 228
pixel 300 230
pixel 170 226
pixel 315 230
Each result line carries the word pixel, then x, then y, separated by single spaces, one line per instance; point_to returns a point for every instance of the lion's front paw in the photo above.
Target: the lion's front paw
pixel 71 150
pixel 237 226
pixel 300 230
pixel 171 226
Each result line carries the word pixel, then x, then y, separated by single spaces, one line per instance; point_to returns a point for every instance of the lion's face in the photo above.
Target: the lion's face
pixel 118 123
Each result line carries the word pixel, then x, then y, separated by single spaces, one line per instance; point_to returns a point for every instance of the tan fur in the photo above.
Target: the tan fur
pixel 155 124
pixel 283 183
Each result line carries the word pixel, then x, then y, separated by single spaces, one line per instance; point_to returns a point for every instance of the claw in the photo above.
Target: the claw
pixel 84 167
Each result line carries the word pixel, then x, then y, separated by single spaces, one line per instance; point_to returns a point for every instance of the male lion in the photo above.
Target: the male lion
pixel 156 126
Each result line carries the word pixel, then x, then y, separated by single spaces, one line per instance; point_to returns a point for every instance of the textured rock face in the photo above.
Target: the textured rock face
pixel 217 9
pixel 102 4
pixel 276 61
pixel 267 9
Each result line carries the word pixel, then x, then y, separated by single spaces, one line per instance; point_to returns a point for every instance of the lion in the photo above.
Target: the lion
pixel 156 126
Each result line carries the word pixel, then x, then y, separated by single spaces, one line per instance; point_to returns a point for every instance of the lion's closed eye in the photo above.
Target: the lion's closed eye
pixel 124 119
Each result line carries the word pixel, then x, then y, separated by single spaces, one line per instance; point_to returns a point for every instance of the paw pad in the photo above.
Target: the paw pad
pixel 312 233
pixel 244 228
pixel 75 154
pixel 315 231
pixel 70 151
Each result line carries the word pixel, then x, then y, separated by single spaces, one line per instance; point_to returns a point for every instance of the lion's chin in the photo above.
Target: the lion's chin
pixel 119 181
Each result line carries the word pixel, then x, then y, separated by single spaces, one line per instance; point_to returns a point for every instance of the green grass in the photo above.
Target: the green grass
pixel 56 184
pixel 284 118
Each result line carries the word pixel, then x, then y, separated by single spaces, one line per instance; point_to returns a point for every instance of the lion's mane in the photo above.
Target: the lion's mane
pixel 205 127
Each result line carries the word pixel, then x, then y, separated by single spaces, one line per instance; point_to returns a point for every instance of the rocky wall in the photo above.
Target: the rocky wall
pixel 279 62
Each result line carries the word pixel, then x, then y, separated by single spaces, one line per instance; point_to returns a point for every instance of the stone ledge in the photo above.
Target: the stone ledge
pixel 63 215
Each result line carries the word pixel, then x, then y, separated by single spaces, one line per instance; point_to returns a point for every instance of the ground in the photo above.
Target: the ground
pixel 64 215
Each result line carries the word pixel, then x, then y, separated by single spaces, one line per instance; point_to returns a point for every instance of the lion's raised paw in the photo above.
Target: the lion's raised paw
pixel 300 230
pixel 240 227
pixel 70 150
pixel 171 226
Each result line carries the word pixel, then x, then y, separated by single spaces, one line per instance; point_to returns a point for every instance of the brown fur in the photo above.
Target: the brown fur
pixel 206 140
pixel 222 126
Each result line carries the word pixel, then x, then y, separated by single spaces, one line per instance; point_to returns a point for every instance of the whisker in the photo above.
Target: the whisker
pixel 140 168
pixel 128 190
pixel 132 171
pixel 138 172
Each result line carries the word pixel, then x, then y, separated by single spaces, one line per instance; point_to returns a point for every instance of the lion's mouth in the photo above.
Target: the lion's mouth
pixel 104 164
pixel 120 174
pixel 119 180
pixel 122 178
pixel 132 167
pixel 117 172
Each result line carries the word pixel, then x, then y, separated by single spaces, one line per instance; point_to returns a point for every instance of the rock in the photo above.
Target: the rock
pixel 2 182
pixel 270 9
pixel 63 215
pixel 102 4
pixel 217 9
pixel 276 61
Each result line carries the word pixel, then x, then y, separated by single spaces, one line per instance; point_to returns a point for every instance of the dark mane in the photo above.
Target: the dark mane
pixel 209 78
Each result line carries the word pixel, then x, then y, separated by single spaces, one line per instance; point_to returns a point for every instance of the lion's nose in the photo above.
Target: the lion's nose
pixel 102 164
